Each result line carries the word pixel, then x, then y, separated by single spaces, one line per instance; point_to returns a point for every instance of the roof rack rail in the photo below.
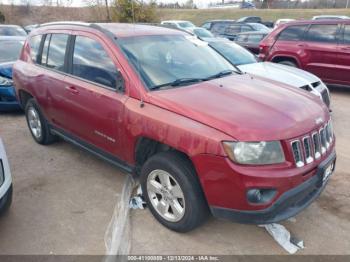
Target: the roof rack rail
pixel 78 23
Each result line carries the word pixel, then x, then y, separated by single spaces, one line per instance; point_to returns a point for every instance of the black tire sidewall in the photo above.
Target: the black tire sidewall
pixel 195 204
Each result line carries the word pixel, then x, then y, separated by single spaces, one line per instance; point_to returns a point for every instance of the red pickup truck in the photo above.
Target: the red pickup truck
pixel 201 136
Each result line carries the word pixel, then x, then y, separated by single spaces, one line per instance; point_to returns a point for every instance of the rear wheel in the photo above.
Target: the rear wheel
pixel 37 124
pixel 172 191
pixel 288 63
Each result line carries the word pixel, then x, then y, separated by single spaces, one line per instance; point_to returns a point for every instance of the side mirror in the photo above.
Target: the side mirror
pixel 120 83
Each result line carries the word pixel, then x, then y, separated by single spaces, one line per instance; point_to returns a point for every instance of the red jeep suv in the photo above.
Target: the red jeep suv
pixel 321 47
pixel 162 105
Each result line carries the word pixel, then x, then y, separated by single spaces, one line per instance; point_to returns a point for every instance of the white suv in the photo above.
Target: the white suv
pixel 5 181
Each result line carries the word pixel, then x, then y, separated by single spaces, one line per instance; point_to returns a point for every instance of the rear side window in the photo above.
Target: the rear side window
pixel 292 33
pixel 34 47
pixel 91 62
pixel 54 51
pixel 322 33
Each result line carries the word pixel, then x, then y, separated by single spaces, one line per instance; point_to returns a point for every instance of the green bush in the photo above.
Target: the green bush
pixel 129 11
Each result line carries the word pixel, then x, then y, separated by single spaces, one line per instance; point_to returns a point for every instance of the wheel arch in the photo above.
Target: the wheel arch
pixel 279 58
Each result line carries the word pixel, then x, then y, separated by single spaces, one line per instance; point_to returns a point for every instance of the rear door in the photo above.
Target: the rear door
pixel 342 76
pixel 320 50
pixel 94 93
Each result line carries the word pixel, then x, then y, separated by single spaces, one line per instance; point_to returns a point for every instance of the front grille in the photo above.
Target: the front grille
pixel 305 150
pixel 325 97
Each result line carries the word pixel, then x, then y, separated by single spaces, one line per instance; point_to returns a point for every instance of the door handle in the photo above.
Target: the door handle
pixel 72 89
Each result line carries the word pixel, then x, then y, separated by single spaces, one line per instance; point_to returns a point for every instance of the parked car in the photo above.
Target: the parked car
pixel 247 5
pixel 282 21
pixel 330 17
pixel 255 19
pixel 12 30
pixel 164 106
pixel 10 48
pixel 321 47
pixel 248 63
pixel 251 40
pixel 202 33
pixel 217 27
pixel 231 30
pixel 179 24
pixel 5 181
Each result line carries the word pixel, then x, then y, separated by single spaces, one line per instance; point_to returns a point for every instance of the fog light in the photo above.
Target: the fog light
pixel 260 196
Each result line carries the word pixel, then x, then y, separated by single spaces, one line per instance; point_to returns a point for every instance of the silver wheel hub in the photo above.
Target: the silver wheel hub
pixel 166 195
pixel 34 122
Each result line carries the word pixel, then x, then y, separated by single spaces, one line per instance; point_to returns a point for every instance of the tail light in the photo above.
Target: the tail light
pixel 263 51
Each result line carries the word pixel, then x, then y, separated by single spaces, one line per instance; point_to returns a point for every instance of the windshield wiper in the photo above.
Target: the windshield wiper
pixel 220 74
pixel 178 82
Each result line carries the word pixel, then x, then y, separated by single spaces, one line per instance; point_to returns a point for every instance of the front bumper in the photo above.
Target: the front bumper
pixel 287 205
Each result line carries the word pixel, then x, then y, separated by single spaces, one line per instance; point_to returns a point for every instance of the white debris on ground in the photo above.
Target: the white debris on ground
pixel 137 201
pixel 118 233
pixel 283 238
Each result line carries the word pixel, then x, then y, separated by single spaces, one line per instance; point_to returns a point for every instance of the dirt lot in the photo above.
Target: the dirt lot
pixel 64 200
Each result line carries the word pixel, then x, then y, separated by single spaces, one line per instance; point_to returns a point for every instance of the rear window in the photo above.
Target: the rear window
pixel 322 33
pixel 219 28
pixel 10 50
pixel 34 47
pixel 255 38
pixel 292 33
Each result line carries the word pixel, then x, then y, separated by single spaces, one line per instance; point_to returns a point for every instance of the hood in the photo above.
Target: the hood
pixel 246 108
pixel 281 73
pixel 6 69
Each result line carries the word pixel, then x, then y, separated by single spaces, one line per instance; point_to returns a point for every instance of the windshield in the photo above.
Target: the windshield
pixel 186 24
pixel 259 27
pixel 201 32
pixel 12 31
pixel 234 53
pixel 10 50
pixel 164 59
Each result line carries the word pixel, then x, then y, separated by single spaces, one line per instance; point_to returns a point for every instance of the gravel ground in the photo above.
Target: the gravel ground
pixel 64 200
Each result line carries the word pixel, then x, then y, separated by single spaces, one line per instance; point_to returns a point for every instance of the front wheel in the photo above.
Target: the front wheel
pixel 172 192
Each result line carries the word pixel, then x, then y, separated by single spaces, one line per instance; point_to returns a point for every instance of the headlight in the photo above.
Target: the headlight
pixel 255 153
pixel 5 81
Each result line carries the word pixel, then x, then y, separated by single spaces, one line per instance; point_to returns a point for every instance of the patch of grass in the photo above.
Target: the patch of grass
pixel 199 16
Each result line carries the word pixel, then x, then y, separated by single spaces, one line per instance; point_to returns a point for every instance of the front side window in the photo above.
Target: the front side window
pixel 10 50
pixel 91 62
pixel 161 60
pixel 322 33
pixel 34 47
pixel 292 33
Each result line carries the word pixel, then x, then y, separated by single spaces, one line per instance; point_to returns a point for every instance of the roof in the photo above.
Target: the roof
pixel 117 29
pixel 219 20
pixel 325 21
pixel 175 21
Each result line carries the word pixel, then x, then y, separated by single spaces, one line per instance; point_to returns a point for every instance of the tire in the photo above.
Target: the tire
pixel 288 63
pixel 6 201
pixel 37 124
pixel 181 176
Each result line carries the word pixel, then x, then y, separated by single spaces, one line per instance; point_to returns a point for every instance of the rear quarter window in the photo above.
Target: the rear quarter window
pixel 34 44
pixel 292 33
